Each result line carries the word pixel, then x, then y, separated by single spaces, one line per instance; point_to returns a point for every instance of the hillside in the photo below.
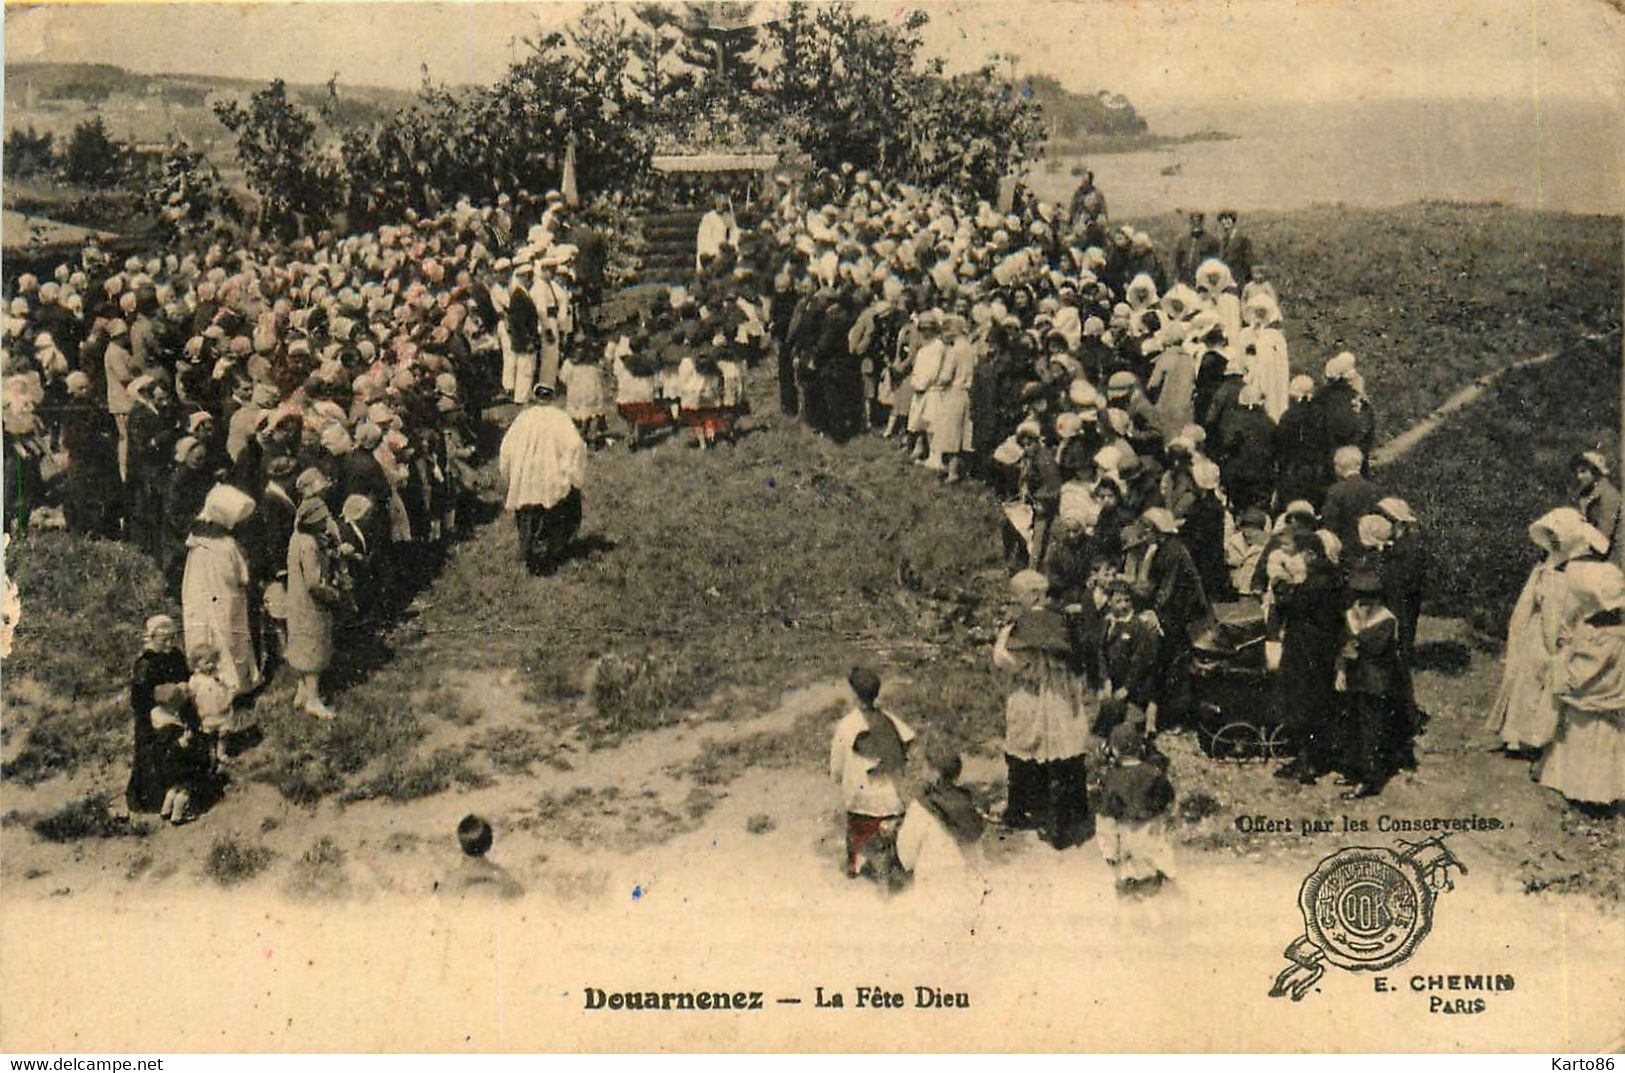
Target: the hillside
pixel 1075 116
pixel 146 108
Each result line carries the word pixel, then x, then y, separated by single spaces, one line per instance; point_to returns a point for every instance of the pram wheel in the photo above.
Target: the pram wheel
pixel 1273 743
pixel 1235 741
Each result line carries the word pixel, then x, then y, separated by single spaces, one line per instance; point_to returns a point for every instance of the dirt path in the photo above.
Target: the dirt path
pixel 1407 441
pixel 615 858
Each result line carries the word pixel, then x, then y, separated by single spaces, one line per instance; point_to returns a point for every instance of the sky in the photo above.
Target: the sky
pixel 1159 53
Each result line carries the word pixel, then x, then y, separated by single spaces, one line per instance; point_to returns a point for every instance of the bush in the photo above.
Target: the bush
pixel 230 862
pixel 319 871
pixel 404 780
pixel 88 817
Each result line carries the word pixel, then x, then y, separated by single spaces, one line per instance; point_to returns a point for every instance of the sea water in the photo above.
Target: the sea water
pixel 1558 155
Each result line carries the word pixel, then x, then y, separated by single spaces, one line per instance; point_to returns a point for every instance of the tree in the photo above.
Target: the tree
pixel 28 153
pixel 712 40
pixel 853 91
pixel 187 195
pixel 1077 115
pixel 93 157
pixel 299 188
pixel 968 131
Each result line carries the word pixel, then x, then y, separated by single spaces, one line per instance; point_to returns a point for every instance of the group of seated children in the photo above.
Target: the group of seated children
pixel 655 380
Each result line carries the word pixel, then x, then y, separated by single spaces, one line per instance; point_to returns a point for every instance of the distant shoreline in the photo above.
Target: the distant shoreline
pixel 1102 144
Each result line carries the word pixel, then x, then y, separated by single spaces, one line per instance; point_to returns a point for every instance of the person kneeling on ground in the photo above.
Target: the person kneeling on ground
pixel 867 755
pixel 476 873
pixel 941 825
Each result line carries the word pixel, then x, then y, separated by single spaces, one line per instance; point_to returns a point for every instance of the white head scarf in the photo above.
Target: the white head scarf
pixel 226 506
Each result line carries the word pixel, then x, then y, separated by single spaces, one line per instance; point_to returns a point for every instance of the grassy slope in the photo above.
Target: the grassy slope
pixel 1430 296
pixel 1479 481
pixel 731 573
pixel 717 580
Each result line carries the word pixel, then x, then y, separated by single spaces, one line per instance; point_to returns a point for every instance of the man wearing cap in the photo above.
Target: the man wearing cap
pixel 544 460
pixel 1405 570
pixel 1167 580
pixel 1375 685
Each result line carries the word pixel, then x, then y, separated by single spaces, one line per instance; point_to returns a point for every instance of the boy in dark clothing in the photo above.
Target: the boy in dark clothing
pixel 479 875
pixel 1375 686
pixel 1128 660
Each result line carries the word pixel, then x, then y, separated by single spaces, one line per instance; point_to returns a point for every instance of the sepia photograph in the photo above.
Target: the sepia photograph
pixel 813 526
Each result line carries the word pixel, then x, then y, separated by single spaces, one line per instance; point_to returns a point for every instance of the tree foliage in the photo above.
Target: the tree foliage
pixel 29 153
pixel 93 157
pixel 186 194
pixel 1077 115
pixel 853 90
pixel 298 185
pixel 626 81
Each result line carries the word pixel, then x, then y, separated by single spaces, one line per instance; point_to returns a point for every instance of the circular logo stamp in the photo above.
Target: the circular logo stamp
pixel 1366 908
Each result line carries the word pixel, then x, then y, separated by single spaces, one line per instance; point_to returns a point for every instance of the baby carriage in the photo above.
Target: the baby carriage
pixel 1234 710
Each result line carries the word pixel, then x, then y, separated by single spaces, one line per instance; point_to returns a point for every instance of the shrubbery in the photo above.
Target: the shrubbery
pixel 836 84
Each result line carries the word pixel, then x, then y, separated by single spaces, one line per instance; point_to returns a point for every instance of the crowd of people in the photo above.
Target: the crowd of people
pixel 1163 470
pixel 290 433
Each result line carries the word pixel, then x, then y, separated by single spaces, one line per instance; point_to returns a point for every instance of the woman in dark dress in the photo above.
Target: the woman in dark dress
pixel 160 663
pixel 1309 604
pixel 154 432
pixel 187 488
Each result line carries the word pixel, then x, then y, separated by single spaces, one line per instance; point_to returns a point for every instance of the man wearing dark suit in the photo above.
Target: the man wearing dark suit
pixel 1235 248
pixel 1350 499
pixel 1193 249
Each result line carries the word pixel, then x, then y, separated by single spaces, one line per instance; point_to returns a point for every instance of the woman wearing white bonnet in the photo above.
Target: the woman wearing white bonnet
pixel 214 588
pixel 1524 717
pixel 1264 345
pixel 1586 760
